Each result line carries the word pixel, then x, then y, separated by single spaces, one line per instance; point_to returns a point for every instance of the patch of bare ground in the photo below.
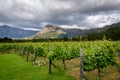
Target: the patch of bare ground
pixel 108 73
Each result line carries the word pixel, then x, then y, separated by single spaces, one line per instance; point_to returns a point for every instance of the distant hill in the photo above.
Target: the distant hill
pixel 77 32
pixel 11 32
pixel 51 31
pixel 48 31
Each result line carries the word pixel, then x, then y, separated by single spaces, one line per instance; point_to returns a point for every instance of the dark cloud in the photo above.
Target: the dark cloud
pixel 81 13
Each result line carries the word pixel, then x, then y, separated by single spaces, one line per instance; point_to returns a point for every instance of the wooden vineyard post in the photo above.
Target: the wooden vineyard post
pixel 64 64
pixel 27 55
pixel 34 54
pixel 15 50
pixel 19 52
pixel 22 51
pixel 50 63
pixel 81 64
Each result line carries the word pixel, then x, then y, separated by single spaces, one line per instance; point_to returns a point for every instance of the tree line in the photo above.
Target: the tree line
pixel 112 33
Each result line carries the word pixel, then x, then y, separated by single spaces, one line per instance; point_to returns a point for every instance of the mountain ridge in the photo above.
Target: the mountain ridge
pixel 48 31
pixel 12 32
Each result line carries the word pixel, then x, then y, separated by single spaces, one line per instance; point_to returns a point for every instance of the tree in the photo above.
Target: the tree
pixel 113 33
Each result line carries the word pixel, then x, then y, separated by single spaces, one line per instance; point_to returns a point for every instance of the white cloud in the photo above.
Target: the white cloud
pixel 34 29
pixel 70 13
pixel 101 20
pixel 73 26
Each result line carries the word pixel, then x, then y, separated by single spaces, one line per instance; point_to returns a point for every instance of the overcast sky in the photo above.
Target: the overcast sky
pixel 30 14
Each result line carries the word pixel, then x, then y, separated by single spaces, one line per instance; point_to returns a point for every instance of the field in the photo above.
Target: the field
pixel 13 67
pixel 60 60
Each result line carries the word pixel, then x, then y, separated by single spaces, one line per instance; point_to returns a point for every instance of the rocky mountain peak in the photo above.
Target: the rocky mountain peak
pixel 51 28
pixel 49 31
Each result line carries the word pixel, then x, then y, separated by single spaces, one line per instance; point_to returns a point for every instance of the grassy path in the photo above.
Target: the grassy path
pixel 13 67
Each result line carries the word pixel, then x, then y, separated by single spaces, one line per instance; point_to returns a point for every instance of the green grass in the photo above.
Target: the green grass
pixel 14 67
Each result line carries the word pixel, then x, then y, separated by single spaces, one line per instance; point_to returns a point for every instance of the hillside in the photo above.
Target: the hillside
pixel 49 31
pixel 11 32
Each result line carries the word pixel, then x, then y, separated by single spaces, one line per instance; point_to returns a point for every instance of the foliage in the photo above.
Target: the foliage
pixel 97 54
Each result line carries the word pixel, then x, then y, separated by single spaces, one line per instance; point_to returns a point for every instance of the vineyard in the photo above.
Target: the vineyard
pixel 97 56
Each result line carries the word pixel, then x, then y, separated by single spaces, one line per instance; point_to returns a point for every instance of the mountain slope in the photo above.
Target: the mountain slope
pixel 49 31
pixel 79 32
pixel 8 31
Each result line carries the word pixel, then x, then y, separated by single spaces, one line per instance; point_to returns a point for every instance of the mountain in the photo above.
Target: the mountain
pixel 114 25
pixel 79 32
pixel 11 32
pixel 49 31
